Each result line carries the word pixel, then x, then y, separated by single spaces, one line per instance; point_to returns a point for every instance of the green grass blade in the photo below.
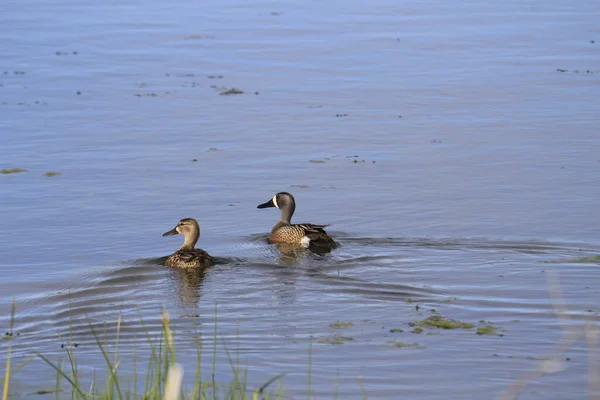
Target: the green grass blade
pixel 107 359
pixel 214 363
pixel 61 372
pixel 267 383
pixel 308 390
pixel 7 368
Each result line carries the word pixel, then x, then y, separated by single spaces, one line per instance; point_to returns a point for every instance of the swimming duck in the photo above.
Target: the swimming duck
pixel 307 235
pixel 187 256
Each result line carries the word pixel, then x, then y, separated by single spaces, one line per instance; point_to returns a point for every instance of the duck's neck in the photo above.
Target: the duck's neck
pixel 189 242
pixel 286 214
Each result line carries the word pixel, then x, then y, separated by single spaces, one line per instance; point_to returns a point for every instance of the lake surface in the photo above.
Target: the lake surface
pixel 454 148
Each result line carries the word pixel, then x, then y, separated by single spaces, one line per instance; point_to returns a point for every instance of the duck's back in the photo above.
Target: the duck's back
pixel 298 233
pixel 196 258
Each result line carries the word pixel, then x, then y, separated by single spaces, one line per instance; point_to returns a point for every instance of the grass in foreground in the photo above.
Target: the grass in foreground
pixel 162 377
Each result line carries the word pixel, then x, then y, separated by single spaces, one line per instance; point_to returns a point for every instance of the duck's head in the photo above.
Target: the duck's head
pixel 285 202
pixel 189 228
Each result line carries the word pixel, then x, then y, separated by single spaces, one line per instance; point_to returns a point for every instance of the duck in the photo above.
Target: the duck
pixel 187 256
pixel 306 235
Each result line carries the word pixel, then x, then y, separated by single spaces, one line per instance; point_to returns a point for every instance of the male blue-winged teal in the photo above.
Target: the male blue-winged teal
pixel 286 232
pixel 187 256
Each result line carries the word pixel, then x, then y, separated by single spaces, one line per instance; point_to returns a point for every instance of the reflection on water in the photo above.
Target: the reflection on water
pixel 188 285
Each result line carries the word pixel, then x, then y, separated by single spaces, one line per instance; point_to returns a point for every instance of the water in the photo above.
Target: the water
pixel 454 148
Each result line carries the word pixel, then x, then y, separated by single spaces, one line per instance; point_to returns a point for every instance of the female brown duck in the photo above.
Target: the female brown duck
pixel 187 256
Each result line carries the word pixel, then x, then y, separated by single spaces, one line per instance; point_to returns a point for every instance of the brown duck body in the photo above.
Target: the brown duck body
pixel 196 258
pixel 188 256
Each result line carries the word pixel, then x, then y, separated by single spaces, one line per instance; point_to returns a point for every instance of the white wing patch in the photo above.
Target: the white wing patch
pixel 305 241
pixel 275 201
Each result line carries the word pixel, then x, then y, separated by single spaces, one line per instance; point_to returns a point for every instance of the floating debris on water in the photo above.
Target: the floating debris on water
pixel 52 173
pixel 341 325
pixel 336 339
pixel 227 92
pixel 405 344
pixel 13 170
pixel 488 330
pixel 438 321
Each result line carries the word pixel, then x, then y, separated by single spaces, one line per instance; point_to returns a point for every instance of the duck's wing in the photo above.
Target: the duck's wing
pixel 197 254
pixel 205 258
pixel 319 239
pixel 313 228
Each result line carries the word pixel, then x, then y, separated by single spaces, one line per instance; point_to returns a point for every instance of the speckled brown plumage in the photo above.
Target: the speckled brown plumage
pixel 196 258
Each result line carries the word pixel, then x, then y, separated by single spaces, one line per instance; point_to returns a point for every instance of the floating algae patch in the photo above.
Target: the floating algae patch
pixel 52 173
pixel 394 330
pixel 417 330
pixel 341 325
pixel 438 321
pixel 336 339
pixel 593 259
pixel 405 344
pixel 488 329
pixel 13 170
pixel 587 259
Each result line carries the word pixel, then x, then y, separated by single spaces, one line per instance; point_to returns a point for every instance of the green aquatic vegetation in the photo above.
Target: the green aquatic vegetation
pixel 52 173
pixel 417 330
pixel 13 170
pixel 341 325
pixel 589 259
pixel 487 330
pixel 438 321
pixel 336 339
pixel 394 330
pixel 405 344
pixel 586 259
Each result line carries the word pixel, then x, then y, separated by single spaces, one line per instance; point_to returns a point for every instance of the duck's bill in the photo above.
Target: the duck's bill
pixel 171 232
pixel 267 204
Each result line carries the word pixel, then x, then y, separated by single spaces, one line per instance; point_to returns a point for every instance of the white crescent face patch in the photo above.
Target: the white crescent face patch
pixel 275 201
